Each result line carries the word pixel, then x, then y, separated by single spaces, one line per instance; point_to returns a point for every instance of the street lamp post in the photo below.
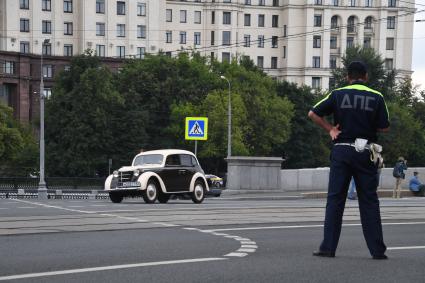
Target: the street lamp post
pixel 229 121
pixel 42 189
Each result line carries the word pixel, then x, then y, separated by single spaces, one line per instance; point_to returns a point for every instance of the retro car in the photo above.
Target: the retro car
pixel 215 184
pixel 157 175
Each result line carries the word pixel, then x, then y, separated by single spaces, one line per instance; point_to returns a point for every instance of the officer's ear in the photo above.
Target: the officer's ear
pixel 366 77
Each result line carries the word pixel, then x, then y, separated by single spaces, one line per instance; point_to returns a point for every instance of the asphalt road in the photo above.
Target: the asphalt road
pixel 217 241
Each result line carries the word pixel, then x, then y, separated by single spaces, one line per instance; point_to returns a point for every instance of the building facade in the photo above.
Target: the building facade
pixel 299 41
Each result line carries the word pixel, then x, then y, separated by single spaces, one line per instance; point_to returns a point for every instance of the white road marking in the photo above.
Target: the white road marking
pixel 25 207
pixel 237 254
pixel 166 224
pixel 54 206
pixel 249 246
pixel 406 248
pixel 308 226
pixel 103 268
pixel 75 206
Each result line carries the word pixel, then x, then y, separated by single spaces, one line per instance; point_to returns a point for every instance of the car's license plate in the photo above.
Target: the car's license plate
pixel 130 184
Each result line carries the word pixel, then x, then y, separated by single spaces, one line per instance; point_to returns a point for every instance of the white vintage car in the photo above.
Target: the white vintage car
pixel 158 174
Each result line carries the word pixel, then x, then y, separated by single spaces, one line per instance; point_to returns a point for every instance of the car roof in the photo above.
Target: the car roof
pixel 166 152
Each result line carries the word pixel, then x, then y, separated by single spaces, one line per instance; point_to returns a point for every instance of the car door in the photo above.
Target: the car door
pixel 186 171
pixel 170 174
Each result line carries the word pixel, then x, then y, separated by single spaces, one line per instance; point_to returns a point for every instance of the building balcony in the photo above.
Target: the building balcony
pixel 335 51
pixel 351 29
pixel 335 30
pixel 368 30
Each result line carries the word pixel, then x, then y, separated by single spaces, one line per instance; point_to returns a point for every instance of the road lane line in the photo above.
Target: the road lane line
pixel 106 268
pixel 308 226
pixel 25 207
pixel 54 206
pixel 406 248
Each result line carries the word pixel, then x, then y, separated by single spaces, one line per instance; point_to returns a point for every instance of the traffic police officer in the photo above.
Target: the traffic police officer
pixel 359 112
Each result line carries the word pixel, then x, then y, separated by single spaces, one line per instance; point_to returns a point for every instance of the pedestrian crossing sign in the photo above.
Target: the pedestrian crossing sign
pixel 196 128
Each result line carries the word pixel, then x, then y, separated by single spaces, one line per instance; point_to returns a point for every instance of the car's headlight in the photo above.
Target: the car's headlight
pixel 136 173
pixel 115 174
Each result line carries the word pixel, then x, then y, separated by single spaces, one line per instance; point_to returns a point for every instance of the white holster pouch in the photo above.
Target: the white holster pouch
pixel 375 155
pixel 360 144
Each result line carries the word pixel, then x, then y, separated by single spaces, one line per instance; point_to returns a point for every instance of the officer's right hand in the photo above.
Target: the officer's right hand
pixel 334 132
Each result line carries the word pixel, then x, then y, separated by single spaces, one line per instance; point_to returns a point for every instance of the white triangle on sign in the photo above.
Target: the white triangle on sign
pixel 196 129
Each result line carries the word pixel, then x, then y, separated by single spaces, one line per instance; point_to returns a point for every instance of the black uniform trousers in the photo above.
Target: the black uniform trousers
pixel 345 163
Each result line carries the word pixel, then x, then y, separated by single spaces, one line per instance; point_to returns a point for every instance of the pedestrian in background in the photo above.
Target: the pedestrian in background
pixel 416 186
pixel 352 190
pixel 398 173
pixel 359 112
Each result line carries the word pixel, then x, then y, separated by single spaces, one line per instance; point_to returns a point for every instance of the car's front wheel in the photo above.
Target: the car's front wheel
pixel 151 193
pixel 115 197
pixel 198 193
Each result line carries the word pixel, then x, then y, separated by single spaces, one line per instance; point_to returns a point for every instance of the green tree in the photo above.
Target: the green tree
pixel 18 149
pixel 81 128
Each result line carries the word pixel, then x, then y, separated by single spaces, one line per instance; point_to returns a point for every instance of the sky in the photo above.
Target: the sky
pixel 418 62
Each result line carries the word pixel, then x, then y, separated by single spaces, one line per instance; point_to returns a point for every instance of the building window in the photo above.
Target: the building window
pixel 25 25
pixel 67 50
pixel 47 93
pixel 261 20
pixel 284 51
pixel 285 31
pixel 24 47
pixel 275 3
pixel 226 37
pixel 334 22
pixel 368 23
pixel 316 61
pixel 261 2
pixel 391 22
pixel 120 8
pixel 47 49
pixel 141 52
pixel 100 29
pixel 227 1
pixel 227 18
pixel 212 37
pixel 275 39
pixel 317 20
pixel 225 57
pixel 67 28
pixel 100 50
pixel 316 82
pixel 183 14
pixel 275 21
pixel 368 3
pixel 350 42
pixel 247 2
pixel 317 2
pixel 182 37
pixel 100 6
pixel 169 15
pixel 334 42
pixel 24 4
pixel 390 43
pixel 247 40
pixel 261 41
pixel 351 27
pixel 121 51
pixel 389 64
pixel 9 67
pixel 46 5
pixel 141 31
pixel 197 17
pixel 273 63
pixel 47 71
pixel 247 20
pixel 317 40
pixel 120 30
pixel 352 3
pixel 260 62
pixel 197 38
pixel 392 3
pixel 332 82
pixel 46 27
pixel 335 2
pixel 213 17
pixel 367 42
pixel 332 62
pixel 168 36
pixel 141 9
pixel 67 6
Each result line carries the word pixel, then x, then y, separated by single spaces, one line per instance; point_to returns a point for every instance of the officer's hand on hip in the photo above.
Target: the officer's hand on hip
pixel 334 132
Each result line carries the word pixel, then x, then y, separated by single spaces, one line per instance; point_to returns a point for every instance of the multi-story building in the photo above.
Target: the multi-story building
pixel 297 40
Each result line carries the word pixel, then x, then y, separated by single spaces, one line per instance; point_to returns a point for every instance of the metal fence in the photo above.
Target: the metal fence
pixel 52 183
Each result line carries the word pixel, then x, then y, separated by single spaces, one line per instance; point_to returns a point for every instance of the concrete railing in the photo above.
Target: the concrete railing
pixel 317 179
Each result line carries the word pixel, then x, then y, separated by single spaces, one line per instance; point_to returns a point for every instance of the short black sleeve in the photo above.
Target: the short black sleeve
pixel 325 106
pixel 383 115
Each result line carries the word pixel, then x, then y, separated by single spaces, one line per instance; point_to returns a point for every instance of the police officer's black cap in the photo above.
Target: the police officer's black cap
pixel 357 67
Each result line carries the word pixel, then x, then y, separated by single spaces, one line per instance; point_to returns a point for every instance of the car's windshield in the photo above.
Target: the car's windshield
pixel 148 159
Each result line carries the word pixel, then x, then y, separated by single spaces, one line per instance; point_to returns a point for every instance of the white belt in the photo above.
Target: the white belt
pixel 352 144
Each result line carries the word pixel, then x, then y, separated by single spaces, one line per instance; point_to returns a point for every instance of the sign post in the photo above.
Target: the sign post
pixel 196 130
